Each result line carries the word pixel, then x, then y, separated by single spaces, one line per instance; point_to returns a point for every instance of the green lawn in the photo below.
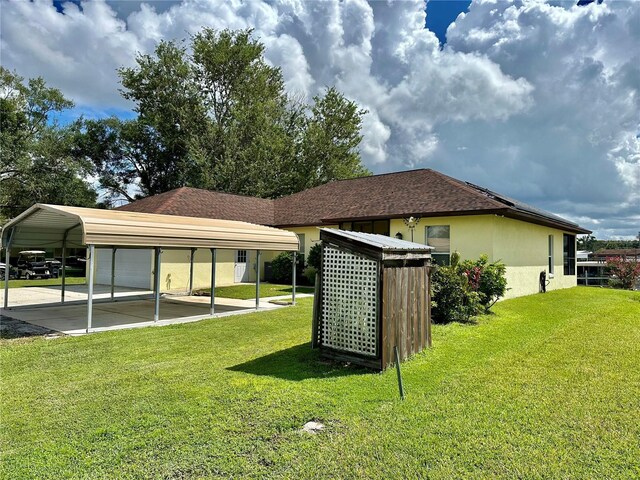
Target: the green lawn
pixel 245 292
pixel 44 282
pixel 547 387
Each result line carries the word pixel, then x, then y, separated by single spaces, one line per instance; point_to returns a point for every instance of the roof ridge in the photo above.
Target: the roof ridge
pixel 171 199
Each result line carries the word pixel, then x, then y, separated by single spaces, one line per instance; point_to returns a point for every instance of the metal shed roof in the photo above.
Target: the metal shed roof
pixel 45 226
pixel 378 242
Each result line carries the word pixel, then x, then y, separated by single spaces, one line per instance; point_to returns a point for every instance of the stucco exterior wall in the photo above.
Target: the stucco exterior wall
pixel 523 247
pixel 311 235
pixel 471 235
pixel 174 271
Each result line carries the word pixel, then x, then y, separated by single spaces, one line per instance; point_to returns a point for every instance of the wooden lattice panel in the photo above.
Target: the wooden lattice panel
pixel 349 296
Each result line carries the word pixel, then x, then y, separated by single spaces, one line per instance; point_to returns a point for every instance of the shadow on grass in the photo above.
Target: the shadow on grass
pixel 297 363
pixel 299 289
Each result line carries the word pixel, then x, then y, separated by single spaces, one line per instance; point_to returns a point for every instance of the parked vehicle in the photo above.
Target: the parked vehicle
pixel 13 273
pixel 54 266
pixel 32 264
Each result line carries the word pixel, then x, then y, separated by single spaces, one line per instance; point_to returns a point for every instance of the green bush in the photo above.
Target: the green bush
pixel 462 290
pixel 313 259
pixel 310 274
pixel 488 279
pixel 452 299
pixel 281 267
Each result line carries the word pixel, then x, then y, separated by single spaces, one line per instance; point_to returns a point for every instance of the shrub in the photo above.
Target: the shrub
pixel 310 274
pixel 625 273
pixel 488 279
pixel 313 259
pixel 464 289
pixel 281 267
pixel 453 299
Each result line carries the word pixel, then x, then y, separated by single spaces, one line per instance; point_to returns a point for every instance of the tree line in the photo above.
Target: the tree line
pixel 211 113
pixel 592 244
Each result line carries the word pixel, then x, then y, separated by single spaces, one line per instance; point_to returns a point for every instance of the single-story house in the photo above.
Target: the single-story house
pixel 423 205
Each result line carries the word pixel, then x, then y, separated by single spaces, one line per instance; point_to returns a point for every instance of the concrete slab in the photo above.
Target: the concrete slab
pixel 73 293
pixel 127 312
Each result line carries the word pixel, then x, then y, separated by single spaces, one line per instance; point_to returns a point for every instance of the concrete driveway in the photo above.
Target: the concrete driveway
pixel 73 293
pixel 131 308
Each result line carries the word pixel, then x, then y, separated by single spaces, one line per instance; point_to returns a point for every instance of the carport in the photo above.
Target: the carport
pixel 56 226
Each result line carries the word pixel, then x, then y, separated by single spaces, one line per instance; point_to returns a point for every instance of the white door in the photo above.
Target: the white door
pixel 133 267
pixel 241 274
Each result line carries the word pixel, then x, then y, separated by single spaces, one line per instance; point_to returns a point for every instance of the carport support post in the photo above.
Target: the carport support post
pixel 156 284
pixel 7 267
pixel 257 279
pixel 64 268
pixel 213 281
pixel 113 271
pixel 293 279
pixel 193 252
pixel 92 261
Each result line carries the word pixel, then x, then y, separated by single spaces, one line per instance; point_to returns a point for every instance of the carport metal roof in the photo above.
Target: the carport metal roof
pixel 50 226
pixel 45 225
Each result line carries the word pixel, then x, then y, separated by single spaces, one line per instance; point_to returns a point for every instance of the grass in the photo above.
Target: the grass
pixel 246 292
pixel 547 387
pixel 44 282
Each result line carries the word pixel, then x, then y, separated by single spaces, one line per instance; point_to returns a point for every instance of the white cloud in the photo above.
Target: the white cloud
pixel 537 101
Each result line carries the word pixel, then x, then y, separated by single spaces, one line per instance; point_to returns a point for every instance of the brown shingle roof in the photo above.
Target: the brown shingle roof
pixel 423 192
pixel 401 194
pixel 195 202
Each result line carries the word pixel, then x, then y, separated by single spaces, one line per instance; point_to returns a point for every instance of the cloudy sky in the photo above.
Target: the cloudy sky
pixel 538 101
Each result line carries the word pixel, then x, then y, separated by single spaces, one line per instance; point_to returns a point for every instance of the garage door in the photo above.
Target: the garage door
pixel 133 267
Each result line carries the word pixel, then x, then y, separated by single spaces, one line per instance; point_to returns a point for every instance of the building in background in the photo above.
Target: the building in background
pixel 420 205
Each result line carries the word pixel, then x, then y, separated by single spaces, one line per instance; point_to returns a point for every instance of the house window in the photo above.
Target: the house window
pixel 381 227
pixel 241 256
pixel 302 240
pixel 438 237
pixel 569 254
pixel 550 254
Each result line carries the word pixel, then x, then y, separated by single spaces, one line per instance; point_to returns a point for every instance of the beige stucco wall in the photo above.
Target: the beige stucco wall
pixel 311 235
pixel 523 247
pixel 175 268
pixel 471 235
pixel 174 271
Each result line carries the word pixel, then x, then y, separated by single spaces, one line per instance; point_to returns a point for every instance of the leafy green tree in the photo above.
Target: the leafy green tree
pixel 331 139
pixel 36 154
pixel 220 118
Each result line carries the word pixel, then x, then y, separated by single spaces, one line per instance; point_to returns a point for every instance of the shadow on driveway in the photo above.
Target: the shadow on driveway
pixel 14 328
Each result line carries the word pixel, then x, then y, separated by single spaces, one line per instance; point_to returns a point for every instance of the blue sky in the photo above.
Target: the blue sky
pixel 440 14
pixel 538 101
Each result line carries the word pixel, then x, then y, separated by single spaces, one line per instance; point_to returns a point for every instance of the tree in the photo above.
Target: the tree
pixel 36 154
pixel 625 272
pixel 220 118
pixel 331 139
pixel 586 242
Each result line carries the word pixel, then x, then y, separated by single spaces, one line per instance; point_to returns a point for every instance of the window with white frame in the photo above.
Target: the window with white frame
pixel 550 255
pixel 438 237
